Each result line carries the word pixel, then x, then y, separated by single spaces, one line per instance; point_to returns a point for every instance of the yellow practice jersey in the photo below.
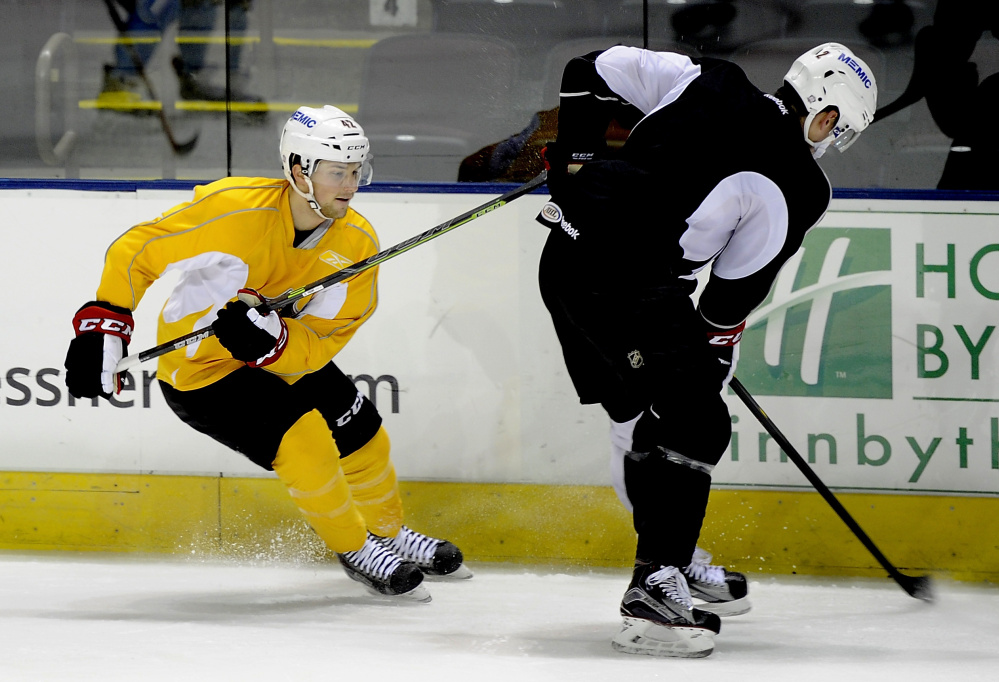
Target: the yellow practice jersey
pixel 238 233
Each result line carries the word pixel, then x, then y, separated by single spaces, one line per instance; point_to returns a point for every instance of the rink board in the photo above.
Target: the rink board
pixel 782 532
pixel 875 354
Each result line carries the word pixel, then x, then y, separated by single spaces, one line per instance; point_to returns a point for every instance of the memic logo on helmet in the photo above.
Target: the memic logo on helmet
pixel 852 63
pixel 303 119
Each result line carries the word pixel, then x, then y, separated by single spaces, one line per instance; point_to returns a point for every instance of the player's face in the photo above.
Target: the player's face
pixel 334 184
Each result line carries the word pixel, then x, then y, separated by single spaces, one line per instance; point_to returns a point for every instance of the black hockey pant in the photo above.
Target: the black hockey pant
pixel 251 409
pixel 635 346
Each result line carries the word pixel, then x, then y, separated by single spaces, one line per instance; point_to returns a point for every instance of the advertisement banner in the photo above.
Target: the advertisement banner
pixel 874 353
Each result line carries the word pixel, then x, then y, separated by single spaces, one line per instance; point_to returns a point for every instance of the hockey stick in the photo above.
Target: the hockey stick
pixel 919 587
pixel 180 148
pixel 197 335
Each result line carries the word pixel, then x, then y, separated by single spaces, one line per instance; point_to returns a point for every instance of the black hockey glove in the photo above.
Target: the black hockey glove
pixel 102 335
pixel 724 345
pixel 258 340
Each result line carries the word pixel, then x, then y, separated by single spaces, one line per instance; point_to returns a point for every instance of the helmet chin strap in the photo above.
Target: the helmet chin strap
pixel 310 197
pixel 818 148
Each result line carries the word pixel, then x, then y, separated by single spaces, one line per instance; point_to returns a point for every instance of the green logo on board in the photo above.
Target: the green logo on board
pixel 825 328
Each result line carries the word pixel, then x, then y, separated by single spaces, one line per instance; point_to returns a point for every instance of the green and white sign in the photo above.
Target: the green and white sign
pixel 825 330
pixel 875 354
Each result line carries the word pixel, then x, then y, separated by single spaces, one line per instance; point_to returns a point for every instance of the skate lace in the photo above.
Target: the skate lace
pixel 673 585
pixel 702 570
pixel 415 546
pixel 374 559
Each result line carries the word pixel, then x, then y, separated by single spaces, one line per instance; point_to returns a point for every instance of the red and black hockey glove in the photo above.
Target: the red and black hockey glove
pixel 102 335
pixel 258 340
pixel 724 345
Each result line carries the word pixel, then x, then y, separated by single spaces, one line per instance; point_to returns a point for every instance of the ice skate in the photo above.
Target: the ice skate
pixel 715 588
pixel 196 86
pixel 660 618
pixel 124 93
pixel 437 558
pixel 383 572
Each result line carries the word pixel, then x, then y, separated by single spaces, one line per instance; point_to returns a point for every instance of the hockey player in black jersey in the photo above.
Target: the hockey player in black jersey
pixel 714 171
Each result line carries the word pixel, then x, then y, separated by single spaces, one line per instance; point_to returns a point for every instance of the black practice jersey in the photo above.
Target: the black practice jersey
pixel 715 171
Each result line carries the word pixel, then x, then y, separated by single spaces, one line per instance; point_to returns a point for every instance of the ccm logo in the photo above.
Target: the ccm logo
pixel 356 146
pixel 105 325
pixel 725 339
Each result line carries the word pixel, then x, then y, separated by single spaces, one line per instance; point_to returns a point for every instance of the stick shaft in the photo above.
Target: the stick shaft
pixel 344 274
pixel 814 479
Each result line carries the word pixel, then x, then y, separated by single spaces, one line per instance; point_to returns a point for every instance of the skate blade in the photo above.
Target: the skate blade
pixel 724 609
pixel 640 636
pixel 461 573
pixel 418 594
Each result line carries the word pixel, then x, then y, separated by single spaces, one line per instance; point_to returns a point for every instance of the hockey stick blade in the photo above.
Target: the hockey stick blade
pixel 920 587
pixel 346 273
pixel 184 148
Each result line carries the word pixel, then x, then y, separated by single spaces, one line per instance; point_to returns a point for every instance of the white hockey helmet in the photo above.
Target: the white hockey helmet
pixel 831 75
pixel 328 134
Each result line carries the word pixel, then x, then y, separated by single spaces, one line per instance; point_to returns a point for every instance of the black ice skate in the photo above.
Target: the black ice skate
pixel 434 557
pixel 660 618
pixel 377 567
pixel 195 85
pixel 722 592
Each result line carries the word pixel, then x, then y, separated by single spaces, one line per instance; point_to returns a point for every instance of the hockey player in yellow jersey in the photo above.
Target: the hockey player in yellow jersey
pixel 237 242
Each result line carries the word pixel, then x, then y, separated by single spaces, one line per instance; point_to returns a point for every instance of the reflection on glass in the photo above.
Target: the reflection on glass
pixel 448 89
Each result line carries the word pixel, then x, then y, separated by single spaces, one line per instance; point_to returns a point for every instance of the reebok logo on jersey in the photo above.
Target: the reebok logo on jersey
pixel 335 259
pixel 569 229
pixel 778 102
pixel 551 213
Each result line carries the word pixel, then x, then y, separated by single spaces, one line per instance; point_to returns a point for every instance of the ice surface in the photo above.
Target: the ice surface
pixel 67 616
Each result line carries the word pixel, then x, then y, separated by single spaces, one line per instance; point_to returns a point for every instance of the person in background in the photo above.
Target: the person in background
pixel 267 385
pixel 959 97
pixel 141 30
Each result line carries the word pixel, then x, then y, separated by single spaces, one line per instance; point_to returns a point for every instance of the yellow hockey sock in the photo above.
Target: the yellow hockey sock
pixel 309 465
pixel 373 484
